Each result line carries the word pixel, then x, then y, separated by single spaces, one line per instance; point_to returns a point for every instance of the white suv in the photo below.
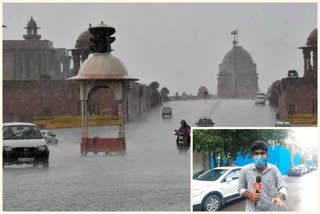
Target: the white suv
pixel 24 144
pixel 214 188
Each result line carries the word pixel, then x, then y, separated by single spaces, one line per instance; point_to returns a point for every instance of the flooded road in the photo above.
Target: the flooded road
pixel 225 112
pixel 302 191
pixel 152 176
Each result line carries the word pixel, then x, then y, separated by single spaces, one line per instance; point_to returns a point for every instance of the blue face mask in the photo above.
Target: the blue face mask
pixel 259 161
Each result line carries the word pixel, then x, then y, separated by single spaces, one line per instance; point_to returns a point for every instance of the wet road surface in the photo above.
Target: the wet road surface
pixel 225 112
pixel 152 176
pixel 303 195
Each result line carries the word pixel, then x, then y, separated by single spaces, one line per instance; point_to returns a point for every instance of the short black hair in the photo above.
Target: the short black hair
pixel 259 144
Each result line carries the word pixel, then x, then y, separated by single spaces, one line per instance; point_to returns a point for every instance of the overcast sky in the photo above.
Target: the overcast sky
pixel 180 45
pixel 306 138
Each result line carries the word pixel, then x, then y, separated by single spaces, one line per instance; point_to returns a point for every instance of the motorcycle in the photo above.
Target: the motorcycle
pixel 182 141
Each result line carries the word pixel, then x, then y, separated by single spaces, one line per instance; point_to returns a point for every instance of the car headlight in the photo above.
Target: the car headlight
pixel 7 148
pixel 196 192
pixel 42 148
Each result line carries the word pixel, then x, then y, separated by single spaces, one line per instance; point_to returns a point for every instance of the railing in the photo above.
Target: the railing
pixel 71 121
pixel 301 119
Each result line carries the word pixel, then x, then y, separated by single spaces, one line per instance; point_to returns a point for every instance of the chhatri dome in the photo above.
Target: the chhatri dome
pixel 312 38
pixel 31 23
pixel 83 41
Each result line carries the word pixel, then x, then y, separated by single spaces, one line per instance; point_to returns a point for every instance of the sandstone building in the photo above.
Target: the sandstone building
pixel 33 58
pixel 237 76
pixel 297 96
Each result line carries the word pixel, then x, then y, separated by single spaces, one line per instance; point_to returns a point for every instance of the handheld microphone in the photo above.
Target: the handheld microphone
pixel 257 186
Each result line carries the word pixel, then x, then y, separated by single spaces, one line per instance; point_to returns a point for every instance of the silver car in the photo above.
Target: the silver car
pixel 49 137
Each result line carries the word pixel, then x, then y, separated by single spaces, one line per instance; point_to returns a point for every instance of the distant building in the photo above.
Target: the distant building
pixel 33 86
pixel 237 76
pixel 297 96
pixel 82 50
pixel 34 59
pixel 203 92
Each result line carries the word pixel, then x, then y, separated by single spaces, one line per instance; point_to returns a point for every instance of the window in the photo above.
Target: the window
pixel 234 174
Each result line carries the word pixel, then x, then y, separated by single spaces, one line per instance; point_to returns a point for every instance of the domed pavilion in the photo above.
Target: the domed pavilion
pixel 310 55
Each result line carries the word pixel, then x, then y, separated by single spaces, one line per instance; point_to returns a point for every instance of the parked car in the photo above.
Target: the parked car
pixel 303 168
pixel 24 144
pixel 49 137
pixel 307 168
pixel 314 168
pixel 214 188
pixel 205 122
pixel 293 74
pixel 166 112
pixel 295 171
pixel 283 124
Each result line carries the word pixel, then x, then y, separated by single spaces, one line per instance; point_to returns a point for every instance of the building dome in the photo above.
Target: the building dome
pixel 312 38
pixel 102 66
pixel 31 23
pixel 83 41
pixel 239 53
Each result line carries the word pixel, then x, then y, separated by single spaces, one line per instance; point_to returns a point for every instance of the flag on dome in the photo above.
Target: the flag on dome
pixel 235 32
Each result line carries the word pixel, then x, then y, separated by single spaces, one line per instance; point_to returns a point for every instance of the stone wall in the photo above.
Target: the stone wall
pixel 201 162
pixel 301 92
pixel 23 100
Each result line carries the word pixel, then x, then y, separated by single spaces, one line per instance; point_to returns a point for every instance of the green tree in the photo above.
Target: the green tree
pixel 227 143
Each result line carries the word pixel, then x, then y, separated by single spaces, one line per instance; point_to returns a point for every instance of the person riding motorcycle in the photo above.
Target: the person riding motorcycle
pixel 185 129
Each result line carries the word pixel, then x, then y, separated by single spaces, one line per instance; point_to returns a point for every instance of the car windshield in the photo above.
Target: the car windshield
pixel 211 175
pixel 21 132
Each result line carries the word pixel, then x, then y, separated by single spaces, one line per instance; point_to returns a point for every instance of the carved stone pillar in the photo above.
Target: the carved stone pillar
pixel 306 57
pixel 315 59
pixel 76 61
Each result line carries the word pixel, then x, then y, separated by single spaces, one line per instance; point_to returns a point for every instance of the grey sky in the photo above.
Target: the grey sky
pixel 180 45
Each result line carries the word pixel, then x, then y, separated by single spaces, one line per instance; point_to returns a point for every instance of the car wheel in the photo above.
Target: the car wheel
pixel 212 203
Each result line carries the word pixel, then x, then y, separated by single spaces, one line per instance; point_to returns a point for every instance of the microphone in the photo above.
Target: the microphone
pixel 257 186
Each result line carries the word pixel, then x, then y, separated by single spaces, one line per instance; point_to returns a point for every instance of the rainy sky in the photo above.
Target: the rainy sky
pixel 180 45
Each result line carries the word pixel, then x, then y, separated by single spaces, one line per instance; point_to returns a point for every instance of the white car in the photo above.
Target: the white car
pixel 166 111
pixel 24 144
pixel 49 137
pixel 214 188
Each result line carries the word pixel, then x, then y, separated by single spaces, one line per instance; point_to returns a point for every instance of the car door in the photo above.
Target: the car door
pixel 230 186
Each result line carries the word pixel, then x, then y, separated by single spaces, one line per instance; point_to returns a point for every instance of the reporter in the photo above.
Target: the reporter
pixel 274 189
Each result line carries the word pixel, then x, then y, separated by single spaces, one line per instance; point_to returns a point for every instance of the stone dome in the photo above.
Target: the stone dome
pixel 31 23
pixel 312 38
pixel 240 54
pixel 102 66
pixel 83 41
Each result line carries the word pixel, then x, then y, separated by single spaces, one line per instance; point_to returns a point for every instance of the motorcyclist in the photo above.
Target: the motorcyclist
pixel 185 129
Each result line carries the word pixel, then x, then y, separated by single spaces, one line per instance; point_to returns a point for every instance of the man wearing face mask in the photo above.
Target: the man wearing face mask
pixel 273 190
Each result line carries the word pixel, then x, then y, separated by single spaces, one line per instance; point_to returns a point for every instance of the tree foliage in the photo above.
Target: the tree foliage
pixel 228 142
pixel 154 85
pixel 164 91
